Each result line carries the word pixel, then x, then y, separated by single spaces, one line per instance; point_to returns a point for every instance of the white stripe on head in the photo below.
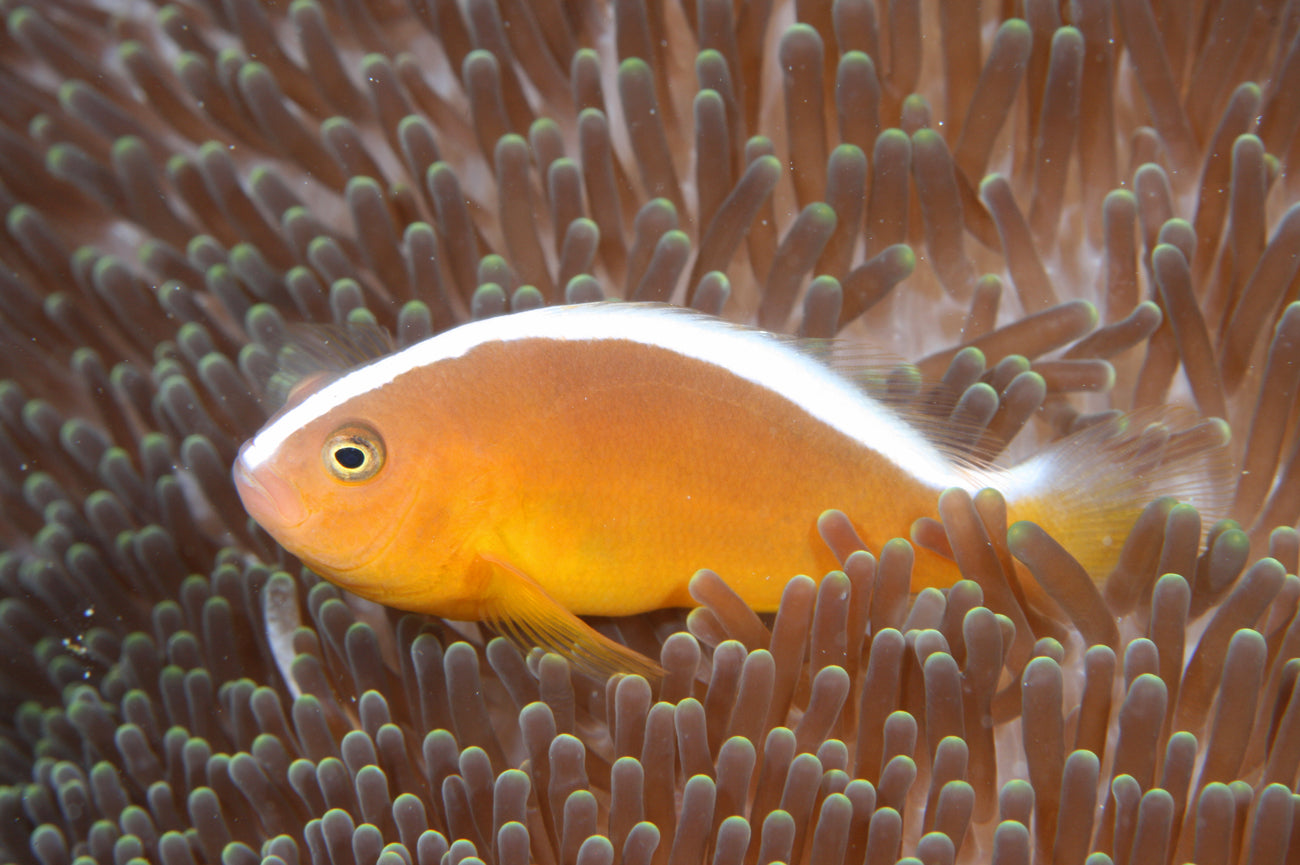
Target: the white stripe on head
pixel 752 355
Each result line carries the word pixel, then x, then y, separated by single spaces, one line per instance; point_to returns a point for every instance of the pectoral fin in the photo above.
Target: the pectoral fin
pixel 515 605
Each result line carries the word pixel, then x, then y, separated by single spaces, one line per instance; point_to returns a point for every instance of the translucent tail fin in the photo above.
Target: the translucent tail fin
pixel 1087 489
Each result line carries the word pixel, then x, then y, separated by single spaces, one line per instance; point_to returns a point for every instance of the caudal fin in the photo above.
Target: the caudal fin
pixel 1087 489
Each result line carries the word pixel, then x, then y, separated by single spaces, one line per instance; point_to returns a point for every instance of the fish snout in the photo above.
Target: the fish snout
pixel 270 499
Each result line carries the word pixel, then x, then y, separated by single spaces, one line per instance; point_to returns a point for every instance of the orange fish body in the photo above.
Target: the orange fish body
pixel 588 460
pixel 611 471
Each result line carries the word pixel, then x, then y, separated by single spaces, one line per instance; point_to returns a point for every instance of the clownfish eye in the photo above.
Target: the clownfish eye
pixel 353 454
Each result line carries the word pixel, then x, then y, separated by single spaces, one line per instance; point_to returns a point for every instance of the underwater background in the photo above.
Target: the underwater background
pixel 1086 205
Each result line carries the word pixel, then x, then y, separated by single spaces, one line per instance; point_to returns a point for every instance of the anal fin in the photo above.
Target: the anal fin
pixel 522 610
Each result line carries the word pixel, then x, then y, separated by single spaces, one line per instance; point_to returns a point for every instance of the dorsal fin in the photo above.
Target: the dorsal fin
pixel 315 354
pixel 924 404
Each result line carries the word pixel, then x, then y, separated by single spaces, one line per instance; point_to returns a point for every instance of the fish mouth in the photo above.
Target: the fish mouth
pixel 269 498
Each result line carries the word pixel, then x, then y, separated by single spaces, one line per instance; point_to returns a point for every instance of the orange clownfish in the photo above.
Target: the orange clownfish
pixel 586 460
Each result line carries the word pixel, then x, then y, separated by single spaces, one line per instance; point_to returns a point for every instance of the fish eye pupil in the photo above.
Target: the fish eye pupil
pixel 353 454
pixel 350 457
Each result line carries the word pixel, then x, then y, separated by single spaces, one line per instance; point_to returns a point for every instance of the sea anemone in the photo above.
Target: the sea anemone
pixel 1082 210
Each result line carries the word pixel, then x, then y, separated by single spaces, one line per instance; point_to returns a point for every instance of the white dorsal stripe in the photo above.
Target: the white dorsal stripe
pixel 752 355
